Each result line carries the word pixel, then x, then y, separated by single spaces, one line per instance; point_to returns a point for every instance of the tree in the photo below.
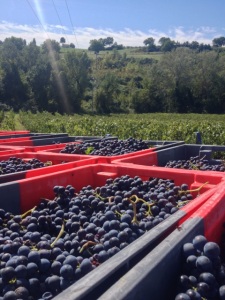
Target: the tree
pixel 107 41
pixel 72 45
pixel 75 76
pixel 96 46
pixel 62 40
pixel 194 45
pixel 105 97
pixel 219 42
pixel 101 44
pixel 50 46
pixel 150 43
pixel 166 44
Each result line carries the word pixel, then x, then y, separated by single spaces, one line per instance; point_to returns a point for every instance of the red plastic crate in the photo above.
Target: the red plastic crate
pixel 2 132
pixel 5 150
pixel 97 174
pixel 103 277
pixel 163 263
pixel 108 159
pixel 57 163
pixel 27 193
pixel 180 152
pixel 55 148
pixel 14 140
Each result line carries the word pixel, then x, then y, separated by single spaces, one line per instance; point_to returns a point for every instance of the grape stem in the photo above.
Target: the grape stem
pixel 87 245
pixel 48 163
pixel 195 190
pixel 59 235
pixel 28 212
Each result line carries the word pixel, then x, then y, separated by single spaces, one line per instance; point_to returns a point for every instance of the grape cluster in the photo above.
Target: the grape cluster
pixel 50 247
pixel 204 272
pixel 15 164
pixel 106 147
pixel 196 163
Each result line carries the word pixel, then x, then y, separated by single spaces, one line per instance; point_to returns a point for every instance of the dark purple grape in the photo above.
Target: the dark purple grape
pixel 199 242
pixel 211 250
pixel 204 264
pixel 53 284
pixel 67 272
pixel 86 266
pixel 203 289
pixel 193 294
pixel 188 249
pixel 22 293
pixel 11 295
pixel 222 292
pixel 8 274
pixel 182 296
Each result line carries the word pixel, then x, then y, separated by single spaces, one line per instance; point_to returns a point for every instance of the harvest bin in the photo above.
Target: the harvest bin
pixel 99 280
pixel 154 146
pixel 29 141
pixel 43 140
pixel 54 163
pixel 177 152
pixel 4 150
pixel 26 193
pixel 157 273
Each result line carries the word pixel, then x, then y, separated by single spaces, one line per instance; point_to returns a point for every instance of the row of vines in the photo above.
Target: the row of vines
pixel 160 126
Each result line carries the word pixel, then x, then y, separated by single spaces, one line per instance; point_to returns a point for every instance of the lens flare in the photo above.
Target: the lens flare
pixel 53 60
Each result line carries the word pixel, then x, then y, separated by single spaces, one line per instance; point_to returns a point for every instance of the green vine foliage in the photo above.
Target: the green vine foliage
pixel 158 126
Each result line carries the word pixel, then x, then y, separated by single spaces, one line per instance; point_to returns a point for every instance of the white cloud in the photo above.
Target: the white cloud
pixel 81 36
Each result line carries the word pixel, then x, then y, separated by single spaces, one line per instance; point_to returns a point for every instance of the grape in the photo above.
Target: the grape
pixel 103 256
pixel 7 274
pixel 66 271
pixel 85 266
pixel 203 289
pixel 44 265
pixel 21 271
pixel 222 292
pixel 32 269
pixel 199 242
pixel 22 293
pixel 71 260
pixel 55 267
pixel 53 283
pixel 34 256
pixel 34 284
pixel 211 250
pixel 11 295
pixel 188 249
pixel 193 294
pixel 182 296
pixel 204 264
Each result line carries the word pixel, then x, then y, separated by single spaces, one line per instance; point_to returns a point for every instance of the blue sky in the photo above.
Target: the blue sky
pixel 129 22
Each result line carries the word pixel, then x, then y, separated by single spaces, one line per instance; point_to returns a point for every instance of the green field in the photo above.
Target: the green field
pixel 134 52
pixel 159 126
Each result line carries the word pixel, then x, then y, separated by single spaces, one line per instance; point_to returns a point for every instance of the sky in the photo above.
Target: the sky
pixel 129 22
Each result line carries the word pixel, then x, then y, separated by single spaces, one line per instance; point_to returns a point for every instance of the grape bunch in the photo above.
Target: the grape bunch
pixel 204 273
pixel 106 147
pixel 196 163
pixel 15 164
pixel 51 246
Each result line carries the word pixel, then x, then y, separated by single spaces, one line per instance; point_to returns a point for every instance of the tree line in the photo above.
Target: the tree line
pixel 165 44
pixel 42 78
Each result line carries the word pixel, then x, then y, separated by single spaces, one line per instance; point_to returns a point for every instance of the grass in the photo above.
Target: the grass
pixel 135 52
